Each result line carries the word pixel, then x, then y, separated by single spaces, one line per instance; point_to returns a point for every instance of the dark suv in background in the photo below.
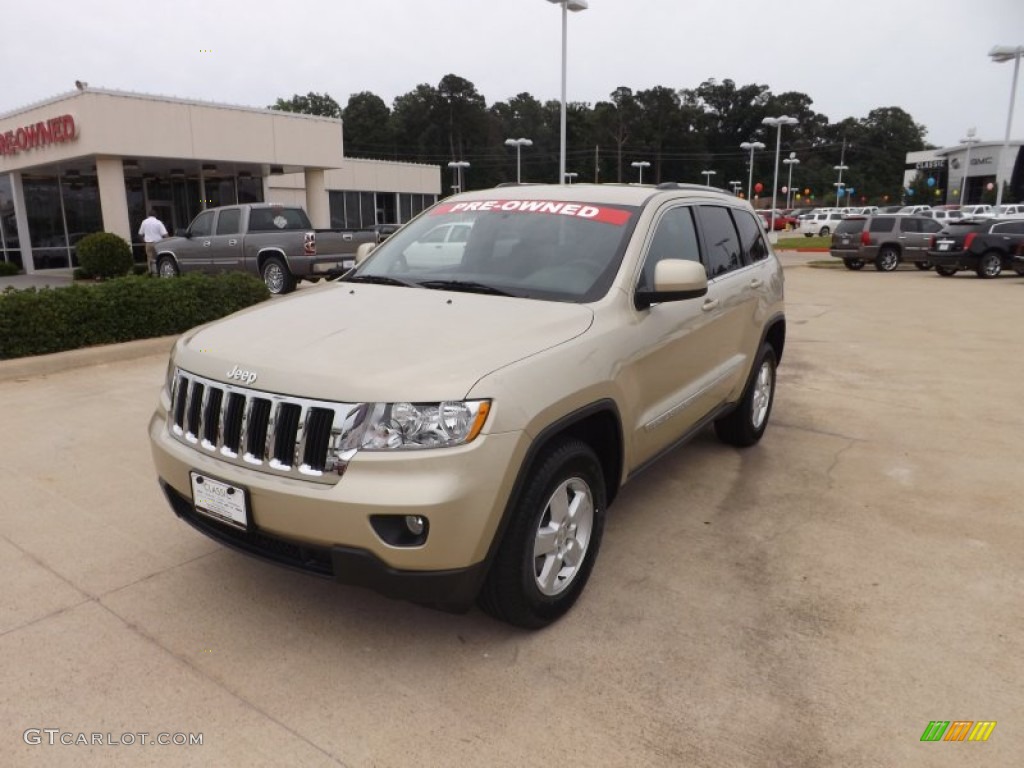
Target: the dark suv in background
pixel 884 240
pixel 985 246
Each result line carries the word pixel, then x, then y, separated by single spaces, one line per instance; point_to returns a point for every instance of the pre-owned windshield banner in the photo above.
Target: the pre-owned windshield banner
pixel 604 214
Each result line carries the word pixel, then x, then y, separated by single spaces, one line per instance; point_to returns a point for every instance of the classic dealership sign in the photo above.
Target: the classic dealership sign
pixel 56 130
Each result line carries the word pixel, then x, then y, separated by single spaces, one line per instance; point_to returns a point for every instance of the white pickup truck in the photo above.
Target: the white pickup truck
pixel 276 242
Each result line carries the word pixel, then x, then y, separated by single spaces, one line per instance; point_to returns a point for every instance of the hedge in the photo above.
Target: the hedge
pixel 103 254
pixel 8 268
pixel 36 322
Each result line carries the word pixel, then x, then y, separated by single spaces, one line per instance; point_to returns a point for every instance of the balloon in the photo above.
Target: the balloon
pixel 758 187
pixel 938 192
pixel 797 195
pixel 956 193
pixel 910 193
pixel 807 191
pixel 863 199
pixel 990 186
pixel 886 198
pixel 931 181
pixel 785 190
pixel 850 190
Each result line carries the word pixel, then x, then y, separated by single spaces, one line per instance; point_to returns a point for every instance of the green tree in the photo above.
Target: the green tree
pixel 367 125
pixel 311 104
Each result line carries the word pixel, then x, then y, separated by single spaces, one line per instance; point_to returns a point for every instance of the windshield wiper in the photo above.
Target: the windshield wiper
pixel 380 280
pixel 465 286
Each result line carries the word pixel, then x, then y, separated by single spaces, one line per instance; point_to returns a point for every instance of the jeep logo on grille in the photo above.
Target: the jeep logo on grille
pixel 238 374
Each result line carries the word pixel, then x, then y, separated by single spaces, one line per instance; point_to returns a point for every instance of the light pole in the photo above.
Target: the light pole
pixel 751 145
pixel 457 166
pixel 777 123
pixel 999 54
pixel 571 176
pixel 707 177
pixel 968 140
pixel 790 161
pixel 518 144
pixel 839 182
pixel 567 5
pixel 640 165
pixel 735 186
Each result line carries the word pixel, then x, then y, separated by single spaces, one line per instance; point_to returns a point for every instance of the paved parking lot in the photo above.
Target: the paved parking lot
pixel 814 601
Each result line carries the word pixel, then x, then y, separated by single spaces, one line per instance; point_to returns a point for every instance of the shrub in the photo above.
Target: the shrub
pixel 8 268
pixel 103 254
pixel 36 322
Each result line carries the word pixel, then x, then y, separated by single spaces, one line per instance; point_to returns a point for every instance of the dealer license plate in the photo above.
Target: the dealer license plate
pixel 943 246
pixel 219 500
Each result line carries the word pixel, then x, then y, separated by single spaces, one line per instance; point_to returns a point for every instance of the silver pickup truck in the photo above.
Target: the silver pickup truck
pixel 276 242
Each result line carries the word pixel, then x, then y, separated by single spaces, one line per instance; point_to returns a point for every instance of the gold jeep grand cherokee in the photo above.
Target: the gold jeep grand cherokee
pixel 451 419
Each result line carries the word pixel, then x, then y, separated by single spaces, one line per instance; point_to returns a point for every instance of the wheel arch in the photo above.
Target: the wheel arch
pixel 599 425
pixel 268 252
pixel 890 244
pixel 775 334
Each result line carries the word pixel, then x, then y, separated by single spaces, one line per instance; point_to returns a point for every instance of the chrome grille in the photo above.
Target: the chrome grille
pixel 277 434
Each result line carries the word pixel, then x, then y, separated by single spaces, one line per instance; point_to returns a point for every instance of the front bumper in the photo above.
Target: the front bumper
pixel 327 530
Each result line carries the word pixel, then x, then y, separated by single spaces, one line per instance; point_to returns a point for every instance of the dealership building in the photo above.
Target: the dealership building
pixel 972 168
pixel 97 160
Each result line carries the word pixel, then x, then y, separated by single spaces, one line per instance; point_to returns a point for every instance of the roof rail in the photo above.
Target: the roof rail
pixel 695 187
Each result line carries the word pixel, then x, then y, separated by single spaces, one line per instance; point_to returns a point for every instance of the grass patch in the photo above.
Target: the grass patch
pixel 795 243
pixel 826 264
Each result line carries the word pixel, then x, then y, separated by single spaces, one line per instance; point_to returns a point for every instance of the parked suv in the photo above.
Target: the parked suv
pixel 821 224
pixel 885 240
pixel 444 431
pixel 986 247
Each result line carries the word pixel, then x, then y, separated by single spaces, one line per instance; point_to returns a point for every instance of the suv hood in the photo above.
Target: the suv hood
pixel 353 342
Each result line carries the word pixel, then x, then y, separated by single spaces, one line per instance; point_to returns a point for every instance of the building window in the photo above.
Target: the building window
pixel 9 249
pixel 45 222
pixel 81 196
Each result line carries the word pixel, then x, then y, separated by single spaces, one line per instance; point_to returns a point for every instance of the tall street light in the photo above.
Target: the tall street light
pixel 707 177
pixel 571 176
pixel 641 164
pixel 999 54
pixel 751 145
pixel 777 123
pixel 969 139
pixel 457 166
pixel 839 182
pixel 567 5
pixel 790 161
pixel 735 186
pixel 518 144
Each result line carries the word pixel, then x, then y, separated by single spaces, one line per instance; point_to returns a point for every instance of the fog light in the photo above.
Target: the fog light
pixel 415 524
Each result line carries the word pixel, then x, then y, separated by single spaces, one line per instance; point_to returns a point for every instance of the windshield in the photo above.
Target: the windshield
pixel 560 251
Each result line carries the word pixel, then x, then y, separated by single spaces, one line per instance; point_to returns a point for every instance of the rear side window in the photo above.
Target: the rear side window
pixel 228 221
pixel 751 239
pixel 850 226
pixel 1010 228
pixel 882 224
pixel 930 225
pixel 721 239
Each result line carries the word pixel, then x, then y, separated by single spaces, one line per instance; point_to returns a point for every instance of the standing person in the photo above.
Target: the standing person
pixel 152 232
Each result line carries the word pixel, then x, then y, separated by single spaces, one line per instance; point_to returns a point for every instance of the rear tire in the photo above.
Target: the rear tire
pixel 989 265
pixel 552 540
pixel 825 232
pixel 924 266
pixel 276 276
pixel 853 264
pixel 745 425
pixel 887 260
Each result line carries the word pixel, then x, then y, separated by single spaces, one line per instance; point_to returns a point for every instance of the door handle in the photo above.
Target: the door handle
pixel 710 304
pixel 756 283
pixel 206 244
pixel 232 241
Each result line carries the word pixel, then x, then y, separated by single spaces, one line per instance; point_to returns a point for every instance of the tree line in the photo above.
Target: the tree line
pixel 680 132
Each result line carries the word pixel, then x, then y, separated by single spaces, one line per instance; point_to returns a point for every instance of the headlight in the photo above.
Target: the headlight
pixel 169 376
pixel 399 426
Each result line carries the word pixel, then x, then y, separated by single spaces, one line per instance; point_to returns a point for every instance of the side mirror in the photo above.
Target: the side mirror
pixel 363 251
pixel 674 280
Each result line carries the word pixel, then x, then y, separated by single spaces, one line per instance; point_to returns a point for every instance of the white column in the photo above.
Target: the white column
pixel 113 199
pixel 317 203
pixel 21 222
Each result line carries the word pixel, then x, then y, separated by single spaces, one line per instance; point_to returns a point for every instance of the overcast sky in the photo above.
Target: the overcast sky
pixel 927 56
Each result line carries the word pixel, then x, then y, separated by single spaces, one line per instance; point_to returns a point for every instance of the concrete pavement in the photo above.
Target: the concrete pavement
pixel 813 601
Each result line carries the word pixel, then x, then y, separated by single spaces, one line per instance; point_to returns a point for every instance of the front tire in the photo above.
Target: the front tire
pixel 924 266
pixel 989 265
pixel 745 425
pixel 887 260
pixel 277 277
pixel 552 540
pixel 825 232
pixel 853 264
pixel 946 271
pixel 165 267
